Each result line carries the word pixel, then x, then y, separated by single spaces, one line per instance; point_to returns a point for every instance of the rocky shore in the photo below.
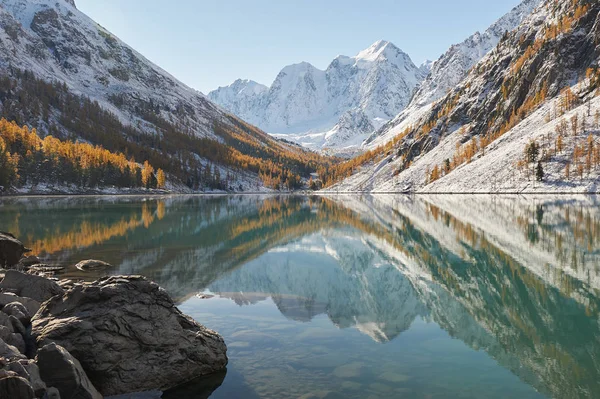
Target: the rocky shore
pixel 115 336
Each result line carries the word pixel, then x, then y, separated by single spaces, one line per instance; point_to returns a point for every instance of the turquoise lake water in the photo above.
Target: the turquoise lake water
pixel 357 297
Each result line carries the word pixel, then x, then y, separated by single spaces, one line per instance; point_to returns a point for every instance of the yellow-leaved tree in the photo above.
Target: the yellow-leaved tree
pixel 160 179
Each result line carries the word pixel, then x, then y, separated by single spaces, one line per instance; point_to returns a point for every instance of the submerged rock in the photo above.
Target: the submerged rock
pixel 30 286
pixel 92 264
pixel 129 336
pixel 11 250
pixel 43 268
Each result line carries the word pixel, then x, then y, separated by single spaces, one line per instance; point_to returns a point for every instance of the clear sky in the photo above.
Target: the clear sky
pixel 210 43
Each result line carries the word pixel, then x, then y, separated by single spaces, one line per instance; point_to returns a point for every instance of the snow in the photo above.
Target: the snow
pixel 496 171
pixel 308 106
pixel 57 42
pixel 317 108
pixel 82 57
pixel 448 71
pixel 453 66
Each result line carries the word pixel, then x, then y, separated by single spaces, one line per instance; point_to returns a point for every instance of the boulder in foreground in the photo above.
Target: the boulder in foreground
pixel 61 370
pixel 128 335
pixel 11 250
pixel 15 387
pixel 30 286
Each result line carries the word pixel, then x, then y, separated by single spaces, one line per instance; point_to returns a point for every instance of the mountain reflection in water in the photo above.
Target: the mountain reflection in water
pixel 514 277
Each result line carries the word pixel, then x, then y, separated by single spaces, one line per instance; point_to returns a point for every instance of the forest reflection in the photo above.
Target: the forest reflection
pixel 517 277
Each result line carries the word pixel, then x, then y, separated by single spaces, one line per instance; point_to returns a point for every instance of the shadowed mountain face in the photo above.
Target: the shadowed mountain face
pixel 515 277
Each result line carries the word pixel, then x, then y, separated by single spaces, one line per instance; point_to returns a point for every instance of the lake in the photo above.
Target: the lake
pixel 357 297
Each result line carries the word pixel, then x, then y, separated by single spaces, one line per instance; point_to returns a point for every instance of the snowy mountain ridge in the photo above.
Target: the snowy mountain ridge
pixel 136 106
pixel 91 61
pixel 313 106
pixel 522 92
pixel 449 70
pixel 334 110
pixel 453 66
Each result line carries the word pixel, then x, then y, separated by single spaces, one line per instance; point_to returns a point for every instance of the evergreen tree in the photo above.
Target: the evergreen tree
pixel 539 172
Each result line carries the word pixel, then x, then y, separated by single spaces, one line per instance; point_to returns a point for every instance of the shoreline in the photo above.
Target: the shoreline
pixel 117 335
pixel 167 193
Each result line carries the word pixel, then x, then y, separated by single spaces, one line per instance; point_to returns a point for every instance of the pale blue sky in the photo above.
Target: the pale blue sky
pixel 210 43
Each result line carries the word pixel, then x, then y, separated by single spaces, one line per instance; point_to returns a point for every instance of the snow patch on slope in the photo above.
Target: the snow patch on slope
pixel 494 172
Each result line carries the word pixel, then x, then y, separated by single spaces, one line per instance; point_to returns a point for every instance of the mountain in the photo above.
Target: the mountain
pixel 304 103
pixel 523 120
pixel 67 76
pixel 452 67
pixel 331 108
pixel 241 97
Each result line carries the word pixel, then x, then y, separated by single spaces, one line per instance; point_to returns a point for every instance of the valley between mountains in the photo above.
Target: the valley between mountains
pixel 512 109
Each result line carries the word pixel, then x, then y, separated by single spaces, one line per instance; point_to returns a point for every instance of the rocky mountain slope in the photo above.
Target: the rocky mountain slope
pixel 539 85
pixel 58 42
pixel 334 108
pixel 453 65
pixel 451 68
pixel 61 71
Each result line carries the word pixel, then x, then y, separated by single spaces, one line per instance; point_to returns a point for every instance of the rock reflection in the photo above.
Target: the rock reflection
pixel 517 277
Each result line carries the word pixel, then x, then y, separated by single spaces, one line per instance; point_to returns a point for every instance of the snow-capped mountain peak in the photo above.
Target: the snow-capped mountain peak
pixel 426 66
pixel 449 70
pixel 305 103
pixel 247 86
pixel 381 48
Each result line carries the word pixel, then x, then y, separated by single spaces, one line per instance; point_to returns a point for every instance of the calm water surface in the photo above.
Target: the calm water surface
pixel 358 297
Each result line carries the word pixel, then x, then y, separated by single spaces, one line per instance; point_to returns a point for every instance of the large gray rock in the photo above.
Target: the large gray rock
pixel 10 353
pixel 62 371
pixel 30 286
pixel 129 336
pixel 17 341
pixel 18 310
pixel 16 387
pixel 11 250
pixel 5 332
pixel 31 304
pixel 5 321
pixel 17 326
pixel 35 380
pixel 18 368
